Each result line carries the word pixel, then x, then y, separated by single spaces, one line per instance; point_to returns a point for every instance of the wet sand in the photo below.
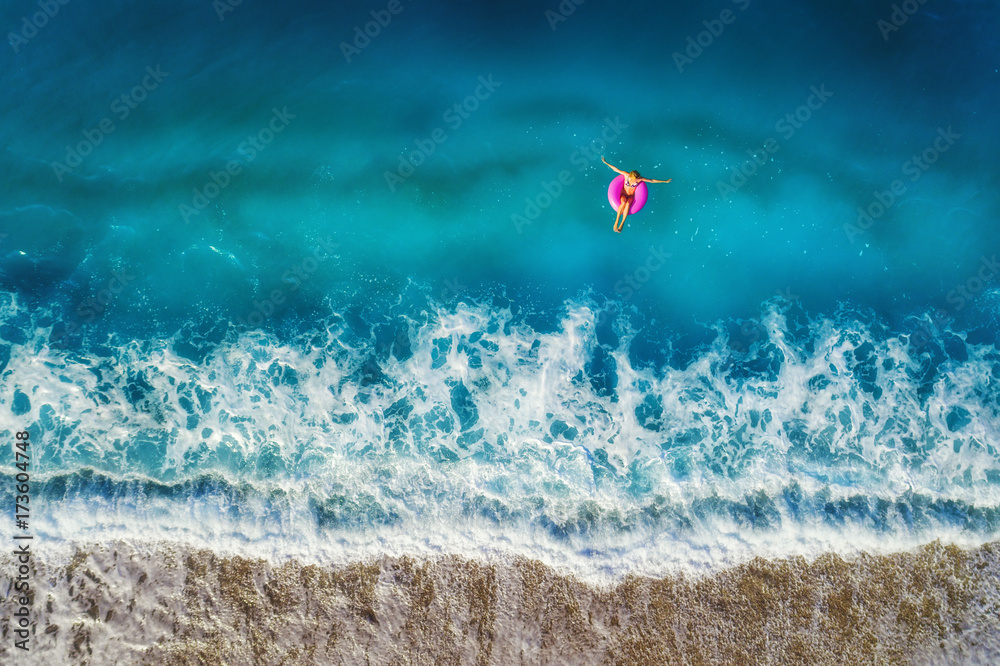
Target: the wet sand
pixel 164 604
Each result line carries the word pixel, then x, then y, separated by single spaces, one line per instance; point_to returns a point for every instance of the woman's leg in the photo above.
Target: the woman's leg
pixel 622 212
pixel 618 215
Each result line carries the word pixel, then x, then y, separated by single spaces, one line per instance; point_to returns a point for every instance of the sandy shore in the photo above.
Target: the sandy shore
pixel 164 604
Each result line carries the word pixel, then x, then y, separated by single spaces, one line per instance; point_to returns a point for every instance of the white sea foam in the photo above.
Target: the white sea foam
pixel 490 436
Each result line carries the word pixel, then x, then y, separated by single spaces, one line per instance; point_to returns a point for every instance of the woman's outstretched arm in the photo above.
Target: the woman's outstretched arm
pixel 651 180
pixel 616 169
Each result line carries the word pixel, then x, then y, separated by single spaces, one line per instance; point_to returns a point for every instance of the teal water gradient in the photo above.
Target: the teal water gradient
pixel 869 354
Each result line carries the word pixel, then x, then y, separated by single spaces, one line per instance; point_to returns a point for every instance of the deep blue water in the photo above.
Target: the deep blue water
pixel 267 280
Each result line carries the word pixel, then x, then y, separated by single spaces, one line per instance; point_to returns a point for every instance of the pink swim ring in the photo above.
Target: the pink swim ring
pixel 615 195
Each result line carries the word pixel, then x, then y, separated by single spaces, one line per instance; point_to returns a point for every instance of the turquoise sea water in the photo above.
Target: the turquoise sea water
pixel 272 284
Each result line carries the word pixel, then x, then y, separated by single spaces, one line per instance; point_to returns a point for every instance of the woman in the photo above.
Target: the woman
pixel 632 181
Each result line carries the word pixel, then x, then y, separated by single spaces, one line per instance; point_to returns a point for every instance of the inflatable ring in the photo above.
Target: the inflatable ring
pixel 615 195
